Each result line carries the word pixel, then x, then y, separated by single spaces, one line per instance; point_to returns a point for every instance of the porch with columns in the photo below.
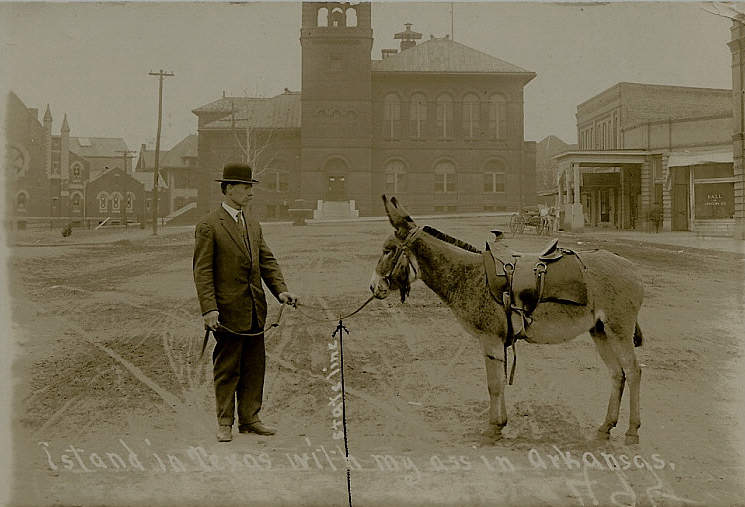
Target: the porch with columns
pixel 634 172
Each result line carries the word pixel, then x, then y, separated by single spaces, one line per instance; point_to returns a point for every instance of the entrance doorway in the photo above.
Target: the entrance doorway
pixel 336 170
pixel 605 206
pixel 681 199
pixel 336 190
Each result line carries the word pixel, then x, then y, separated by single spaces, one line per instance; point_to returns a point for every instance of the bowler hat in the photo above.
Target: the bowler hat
pixel 237 173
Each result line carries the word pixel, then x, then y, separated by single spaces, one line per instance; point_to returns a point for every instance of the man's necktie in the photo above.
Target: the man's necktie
pixel 244 232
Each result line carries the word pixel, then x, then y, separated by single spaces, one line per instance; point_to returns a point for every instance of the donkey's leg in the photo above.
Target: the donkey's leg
pixel 495 382
pixel 623 346
pixel 617 378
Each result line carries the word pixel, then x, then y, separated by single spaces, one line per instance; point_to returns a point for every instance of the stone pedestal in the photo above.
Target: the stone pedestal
pixel 574 219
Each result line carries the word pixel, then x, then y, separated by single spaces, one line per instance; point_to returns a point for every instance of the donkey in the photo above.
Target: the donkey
pixel 456 272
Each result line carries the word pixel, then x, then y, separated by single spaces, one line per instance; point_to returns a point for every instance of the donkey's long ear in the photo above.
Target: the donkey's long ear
pixel 397 215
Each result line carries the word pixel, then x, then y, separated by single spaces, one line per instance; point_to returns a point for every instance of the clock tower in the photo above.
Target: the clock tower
pixel 336 136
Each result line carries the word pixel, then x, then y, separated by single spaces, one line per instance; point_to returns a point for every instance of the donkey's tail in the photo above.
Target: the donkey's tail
pixel 638 336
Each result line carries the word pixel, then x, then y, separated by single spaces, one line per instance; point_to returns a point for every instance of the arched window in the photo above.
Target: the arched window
pixel 116 198
pixel 395 177
pixel 351 17
pixel 21 201
pixel 76 170
pixel 471 116
pixel 76 201
pixel 444 116
pixel 103 201
pixel 130 201
pixel 392 116
pixel 323 17
pixel 336 19
pixel 494 177
pixel 497 117
pixel 445 177
pixel 417 115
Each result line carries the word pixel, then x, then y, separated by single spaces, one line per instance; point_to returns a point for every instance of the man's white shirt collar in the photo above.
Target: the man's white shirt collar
pixel 231 210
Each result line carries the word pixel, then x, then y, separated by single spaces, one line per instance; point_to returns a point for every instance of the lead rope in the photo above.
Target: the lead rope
pixel 207 331
pixel 340 329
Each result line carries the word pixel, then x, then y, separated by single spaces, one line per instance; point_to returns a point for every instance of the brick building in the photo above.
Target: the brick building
pixel 179 170
pixel 737 47
pixel 649 153
pixel 46 174
pixel 437 123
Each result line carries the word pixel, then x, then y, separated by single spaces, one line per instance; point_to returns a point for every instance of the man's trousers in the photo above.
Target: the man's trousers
pixel 238 366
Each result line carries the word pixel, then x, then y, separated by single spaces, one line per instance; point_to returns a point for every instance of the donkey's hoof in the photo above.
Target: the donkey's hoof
pixel 632 439
pixel 602 435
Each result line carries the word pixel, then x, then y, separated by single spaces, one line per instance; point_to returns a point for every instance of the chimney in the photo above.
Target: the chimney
pixel 408 37
pixel 387 53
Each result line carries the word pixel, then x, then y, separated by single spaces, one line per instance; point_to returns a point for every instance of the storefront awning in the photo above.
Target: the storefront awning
pixel 684 158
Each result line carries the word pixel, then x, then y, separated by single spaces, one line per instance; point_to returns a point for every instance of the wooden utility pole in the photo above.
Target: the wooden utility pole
pixel 126 155
pixel 156 173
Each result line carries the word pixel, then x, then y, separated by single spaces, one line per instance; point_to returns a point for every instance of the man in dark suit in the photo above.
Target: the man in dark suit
pixel 231 259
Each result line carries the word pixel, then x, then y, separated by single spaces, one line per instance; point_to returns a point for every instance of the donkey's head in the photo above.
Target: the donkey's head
pixel 396 268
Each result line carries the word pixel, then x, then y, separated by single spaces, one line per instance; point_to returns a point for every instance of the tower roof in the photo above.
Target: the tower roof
pixel 65 127
pixel 47 114
pixel 444 56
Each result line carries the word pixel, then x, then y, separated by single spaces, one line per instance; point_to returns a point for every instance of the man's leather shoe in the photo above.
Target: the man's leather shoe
pixel 225 433
pixel 257 428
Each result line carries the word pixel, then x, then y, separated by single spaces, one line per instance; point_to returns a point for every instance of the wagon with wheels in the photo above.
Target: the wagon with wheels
pixel 538 217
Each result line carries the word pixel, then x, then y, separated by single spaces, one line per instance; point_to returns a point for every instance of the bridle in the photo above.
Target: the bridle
pixel 403 251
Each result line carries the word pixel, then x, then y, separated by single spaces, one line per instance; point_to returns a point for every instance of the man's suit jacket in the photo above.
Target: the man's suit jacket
pixel 228 276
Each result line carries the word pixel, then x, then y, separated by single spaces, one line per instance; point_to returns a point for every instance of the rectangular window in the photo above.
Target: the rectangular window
pixel 493 182
pixel 702 172
pixel 445 182
pixel 450 182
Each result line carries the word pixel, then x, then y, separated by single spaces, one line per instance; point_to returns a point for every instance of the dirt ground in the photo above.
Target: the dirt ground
pixel 113 406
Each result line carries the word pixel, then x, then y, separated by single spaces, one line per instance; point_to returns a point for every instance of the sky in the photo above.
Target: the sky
pixel 92 60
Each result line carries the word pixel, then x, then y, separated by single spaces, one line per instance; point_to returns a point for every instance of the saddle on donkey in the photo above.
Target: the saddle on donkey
pixel 559 274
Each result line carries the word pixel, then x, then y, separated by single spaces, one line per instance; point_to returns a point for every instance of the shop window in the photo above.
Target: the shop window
pixel 714 201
